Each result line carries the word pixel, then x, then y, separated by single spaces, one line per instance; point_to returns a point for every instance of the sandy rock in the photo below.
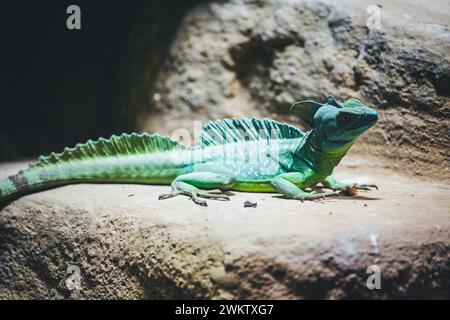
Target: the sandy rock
pixel 94 241
pixel 254 58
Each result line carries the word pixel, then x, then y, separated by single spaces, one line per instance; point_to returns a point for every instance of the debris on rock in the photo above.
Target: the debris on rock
pixel 249 204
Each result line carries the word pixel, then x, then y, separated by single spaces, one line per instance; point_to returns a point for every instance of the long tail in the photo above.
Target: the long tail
pixel 129 158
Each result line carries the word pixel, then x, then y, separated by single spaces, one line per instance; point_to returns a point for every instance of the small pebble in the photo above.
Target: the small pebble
pixel 365 204
pixel 249 204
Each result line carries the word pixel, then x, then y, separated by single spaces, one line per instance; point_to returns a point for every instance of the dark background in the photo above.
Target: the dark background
pixel 62 86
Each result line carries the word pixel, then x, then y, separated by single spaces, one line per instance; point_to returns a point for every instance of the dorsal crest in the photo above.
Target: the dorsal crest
pixel 125 144
pixel 245 129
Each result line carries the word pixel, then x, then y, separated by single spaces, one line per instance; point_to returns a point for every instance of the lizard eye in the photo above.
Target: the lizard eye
pixel 345 118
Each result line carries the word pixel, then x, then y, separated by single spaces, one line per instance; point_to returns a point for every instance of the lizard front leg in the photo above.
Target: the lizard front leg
pixel 349 189
pixel 190 185
pixel 287 184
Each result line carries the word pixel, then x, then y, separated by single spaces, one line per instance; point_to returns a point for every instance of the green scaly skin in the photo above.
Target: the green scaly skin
pixel 238 154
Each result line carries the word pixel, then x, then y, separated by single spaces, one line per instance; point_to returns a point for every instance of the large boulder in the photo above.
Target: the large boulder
pixel 254 58
pixel 120 241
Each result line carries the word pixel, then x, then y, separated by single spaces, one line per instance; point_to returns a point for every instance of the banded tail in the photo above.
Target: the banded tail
pixel 129 158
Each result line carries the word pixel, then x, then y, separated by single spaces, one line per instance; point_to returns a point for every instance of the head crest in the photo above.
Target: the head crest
pixel 308 108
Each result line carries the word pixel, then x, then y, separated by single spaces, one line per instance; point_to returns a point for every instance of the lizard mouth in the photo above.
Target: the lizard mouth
pixel 340 140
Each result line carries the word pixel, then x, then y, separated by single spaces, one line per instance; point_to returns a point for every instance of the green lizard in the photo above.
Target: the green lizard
pixel 256 155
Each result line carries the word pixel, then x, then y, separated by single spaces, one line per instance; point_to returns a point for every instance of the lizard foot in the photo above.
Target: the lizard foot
pixel 317 195
pixel 352 189
pixel 196 195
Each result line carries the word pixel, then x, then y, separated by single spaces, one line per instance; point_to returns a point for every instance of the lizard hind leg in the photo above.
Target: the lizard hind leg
pixel 198 185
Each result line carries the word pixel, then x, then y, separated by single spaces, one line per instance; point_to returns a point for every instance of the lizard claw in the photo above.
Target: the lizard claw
pixel 198 201
pixel 168 195
pixel 365 186
pixel 212 195
pixel 352 189
pixel 317 195
pixel 372 186
pixel 196 195
pixel 215 191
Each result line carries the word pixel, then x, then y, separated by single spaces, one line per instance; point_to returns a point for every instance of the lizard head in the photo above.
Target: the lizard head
pixel 337 124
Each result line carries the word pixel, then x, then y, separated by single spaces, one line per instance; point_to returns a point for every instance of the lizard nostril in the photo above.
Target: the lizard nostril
pixel 374 117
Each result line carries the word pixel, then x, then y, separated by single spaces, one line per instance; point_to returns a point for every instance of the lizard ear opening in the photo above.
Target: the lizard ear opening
pixel 306 110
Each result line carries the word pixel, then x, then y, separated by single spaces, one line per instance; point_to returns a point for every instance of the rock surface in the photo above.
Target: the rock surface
pixel 127 244
pixel 255 58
